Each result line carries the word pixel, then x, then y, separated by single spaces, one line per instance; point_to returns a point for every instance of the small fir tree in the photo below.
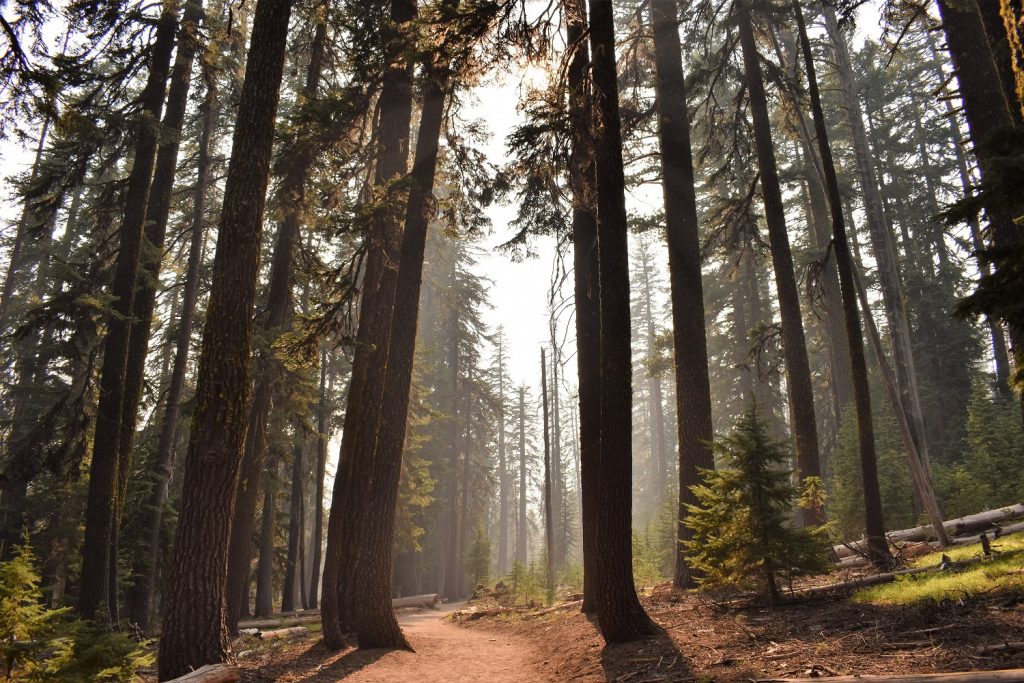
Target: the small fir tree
pixel 478 558
pixel 743 533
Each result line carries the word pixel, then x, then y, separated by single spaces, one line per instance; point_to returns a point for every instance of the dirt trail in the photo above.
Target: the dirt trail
pixel 445 652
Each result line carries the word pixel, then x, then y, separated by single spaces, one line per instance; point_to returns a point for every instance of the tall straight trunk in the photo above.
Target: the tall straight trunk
pixel 549 511
pixel 690 350
pixel 987 109
pixel 194 630
pixel 586 290
pixel 794 345
pixel 1000 354
pixel 376 625
pixel 158 210
pixel 655 405
pixel 290 592
pixel 881 240
pixel 140 595
pixel 342 567
pixel 502 466
pixel 278 319
pixel 452 575
pixel 265 563
pixel 102 506
pixel 998 40
pixel 322 437
pixel 522 538
pixel 558 481
pixel 15 257
pixel 840 373
pixel 874 523
pixel 620 614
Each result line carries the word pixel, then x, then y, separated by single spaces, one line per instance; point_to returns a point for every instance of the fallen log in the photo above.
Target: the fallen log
pixel 284 633
pixel 961 526
pixel 1001 676
pixel 266 624
pixel 429 600
pixel 1000 647
pixel 211 673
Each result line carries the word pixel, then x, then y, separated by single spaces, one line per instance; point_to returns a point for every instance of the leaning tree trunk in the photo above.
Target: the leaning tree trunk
pixel 794 345
pixel 278 319
pixel 140 595
pixel 1000 353
pixel 101 518
pixel 620 614
pixel 376 625
pixel 881 241
pixel 158 212
pixel 193 630
pixel 988 115
pixel 874 522
pixel 342 567
pixel 693 388
pixel 586 290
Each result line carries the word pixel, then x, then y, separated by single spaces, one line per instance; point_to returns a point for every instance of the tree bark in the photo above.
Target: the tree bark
pixel 586 289
pixel 881 241
pixel 265 563
pixel 366 389
pixel 158 211
pixel 549 517
pixel 693 388
pixel 521 530
pixel 874 522
pixel 322 437
pixel 102 506
pixel 620 614
pixel 794 345
pixel 278 319
pixel 987 109
pixel 502 464
pixel 140 595
pixel 194 630
pixel 296 527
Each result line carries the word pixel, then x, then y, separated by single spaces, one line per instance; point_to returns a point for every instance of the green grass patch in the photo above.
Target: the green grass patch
pixel 1004 572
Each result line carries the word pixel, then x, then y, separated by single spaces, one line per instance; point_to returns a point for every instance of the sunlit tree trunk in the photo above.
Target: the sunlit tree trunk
pixel 193 631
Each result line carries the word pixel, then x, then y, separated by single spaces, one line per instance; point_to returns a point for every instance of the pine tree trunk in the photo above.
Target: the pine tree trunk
pixel 794 345
pixel 585 291
pixel 988 115
pixel 102 506
pixel 557 482
pixel 322 437
pixel 293 577
pixel 278 319
pixel 376 625
pixel 880 233
pixel 452 575
pixel 693 388
pixel 158 211
pixel 549 517
pixel 502 466
pixel 377 302
pixel 140 595
pixel 874 522
pixel 193 630
pixel 265 563
pixel 1000 354
pixel 619 611
pixel 522 538
pixel 655 400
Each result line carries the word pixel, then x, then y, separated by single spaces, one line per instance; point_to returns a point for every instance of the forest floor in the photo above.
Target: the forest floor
pixel 970 627
pixel 444 652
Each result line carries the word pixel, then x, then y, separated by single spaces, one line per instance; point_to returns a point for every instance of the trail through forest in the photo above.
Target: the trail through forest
pixel 444 652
